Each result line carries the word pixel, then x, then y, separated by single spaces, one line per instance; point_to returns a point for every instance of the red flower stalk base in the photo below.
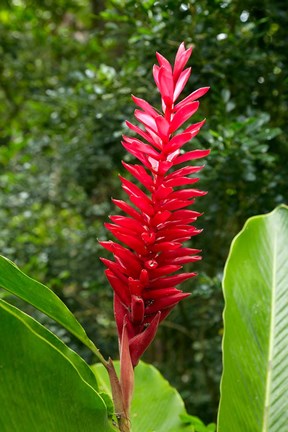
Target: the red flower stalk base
pixel 148 262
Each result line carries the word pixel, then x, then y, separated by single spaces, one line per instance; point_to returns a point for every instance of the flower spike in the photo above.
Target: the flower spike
pixel 155 226
pixel 148 261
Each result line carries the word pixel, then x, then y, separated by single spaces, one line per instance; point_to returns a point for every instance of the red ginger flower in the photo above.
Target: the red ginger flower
pixel 143 275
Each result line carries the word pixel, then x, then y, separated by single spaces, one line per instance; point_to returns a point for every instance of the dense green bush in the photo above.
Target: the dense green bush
pixel 67 72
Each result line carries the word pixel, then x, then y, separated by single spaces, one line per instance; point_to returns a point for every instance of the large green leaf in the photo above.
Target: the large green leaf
pixel 254 388
pixel 156 406
pixel 38 295
pixel 44 386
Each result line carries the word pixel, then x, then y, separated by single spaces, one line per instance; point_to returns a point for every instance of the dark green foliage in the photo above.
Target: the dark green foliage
pixel 67 71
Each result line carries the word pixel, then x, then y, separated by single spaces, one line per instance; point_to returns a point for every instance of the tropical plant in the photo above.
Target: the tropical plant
pixel 67 393
pixel 67 71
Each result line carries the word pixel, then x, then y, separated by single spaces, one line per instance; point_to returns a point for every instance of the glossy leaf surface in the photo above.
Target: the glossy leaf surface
pixel 254 388
pixel 45 387
pixel 38 295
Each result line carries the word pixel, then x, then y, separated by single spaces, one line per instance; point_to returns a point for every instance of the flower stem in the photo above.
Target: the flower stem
pixel 124 424
pixel 121 412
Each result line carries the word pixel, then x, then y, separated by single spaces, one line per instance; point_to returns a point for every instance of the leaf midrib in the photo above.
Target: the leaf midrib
pixel 271 337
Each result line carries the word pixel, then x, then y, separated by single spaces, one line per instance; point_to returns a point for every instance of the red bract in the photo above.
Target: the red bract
pixel 148 263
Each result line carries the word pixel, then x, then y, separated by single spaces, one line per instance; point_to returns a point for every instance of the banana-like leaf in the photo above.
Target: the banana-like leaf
pixel 156 406
pixel 254 387
pixel 38 295
pixel 44 386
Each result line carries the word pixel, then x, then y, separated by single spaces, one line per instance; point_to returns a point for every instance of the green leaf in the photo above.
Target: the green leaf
pixel 82 367
pixel 199 426
pixel 254 388
pixel 156 406
pixel 45 387
pixel 38 295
